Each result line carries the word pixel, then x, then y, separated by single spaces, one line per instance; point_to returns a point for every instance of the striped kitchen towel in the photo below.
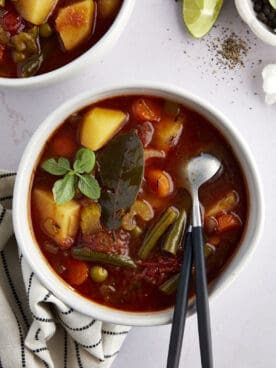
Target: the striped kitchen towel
pixel 37 329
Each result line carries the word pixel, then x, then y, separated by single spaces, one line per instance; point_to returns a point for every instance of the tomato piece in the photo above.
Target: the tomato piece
pixel 11 22
pixel 146 109
pixel 2 52
pixel 63 145
pixel 160 182
pixel 227 221
pixel 76 272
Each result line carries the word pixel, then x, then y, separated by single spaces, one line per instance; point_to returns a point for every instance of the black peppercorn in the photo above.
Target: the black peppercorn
pixel 265 13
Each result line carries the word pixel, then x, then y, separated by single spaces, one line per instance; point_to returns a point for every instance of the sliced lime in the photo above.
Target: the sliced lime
pixel 200 15
pixel 272 3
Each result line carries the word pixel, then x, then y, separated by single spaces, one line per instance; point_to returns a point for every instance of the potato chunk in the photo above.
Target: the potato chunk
pixel 90 219
pixel 59 222
pixel 108 8
pixel 99 125
pixel 167 133
pixel 74 23
pixel 35 11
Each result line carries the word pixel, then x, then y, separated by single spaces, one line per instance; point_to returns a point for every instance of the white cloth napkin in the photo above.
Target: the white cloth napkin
pixel 37 329
pixel 269 83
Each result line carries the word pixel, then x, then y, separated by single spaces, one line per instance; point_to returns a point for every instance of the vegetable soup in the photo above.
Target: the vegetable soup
pixel 107 205
pixel 38 36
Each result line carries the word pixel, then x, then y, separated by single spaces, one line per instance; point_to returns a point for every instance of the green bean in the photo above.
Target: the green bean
pixel 172 241
pixel 31 66
pixel 169 286
pixel 87 254
pixel 168 217
pixel 45 30
pixel 137 231
pixel 26 42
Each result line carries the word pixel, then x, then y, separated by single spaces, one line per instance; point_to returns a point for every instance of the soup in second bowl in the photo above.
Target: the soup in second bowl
pixel 107 205
pixel 38 36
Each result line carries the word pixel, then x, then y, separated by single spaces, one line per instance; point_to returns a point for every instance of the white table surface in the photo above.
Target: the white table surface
pixel 155 46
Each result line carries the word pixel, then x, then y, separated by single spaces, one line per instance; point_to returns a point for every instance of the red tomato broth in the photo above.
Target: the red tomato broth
pixel 55 56
pixel 130 290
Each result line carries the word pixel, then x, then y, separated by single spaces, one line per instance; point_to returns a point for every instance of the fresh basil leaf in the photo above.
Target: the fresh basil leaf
pixel 89 186
pixel 64 189
pixel 121 170
pixel 56 167
pixel 272 3
pixel 85 161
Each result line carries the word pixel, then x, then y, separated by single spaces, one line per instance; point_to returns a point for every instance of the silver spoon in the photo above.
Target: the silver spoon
pixel 196 172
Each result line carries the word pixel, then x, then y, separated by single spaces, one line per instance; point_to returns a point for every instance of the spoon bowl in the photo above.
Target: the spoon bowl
pixel 199 170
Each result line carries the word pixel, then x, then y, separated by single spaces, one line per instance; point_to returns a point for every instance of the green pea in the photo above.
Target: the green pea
pixel 45 30
pixel 98 274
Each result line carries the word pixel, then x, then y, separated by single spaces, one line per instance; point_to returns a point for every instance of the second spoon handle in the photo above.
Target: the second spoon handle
pixel 181 305
pixel 202 303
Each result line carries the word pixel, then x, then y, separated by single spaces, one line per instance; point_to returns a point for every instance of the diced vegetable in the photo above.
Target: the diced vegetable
pixel 87 254
pixel 209 250
pixel 63 145
pixel 170 285
pixel 171 108
pixel 107 8
pixel 137 231
pixel 141 209
pixel 210 224
pixel 45 30
pixel 98 274
pixel 76 271
pixel 99 125
pixel 35 11
pixel 2 3
pixel 153 153
pixel 228 221
pixel 146 109
pixel 59 222
pixel 145 132
pixel 74 23
pixel 90 219
pixel 2 52
pixel 227 203
pixel 172 241
pixel 159 182
pixel 168 218
pixel 167 133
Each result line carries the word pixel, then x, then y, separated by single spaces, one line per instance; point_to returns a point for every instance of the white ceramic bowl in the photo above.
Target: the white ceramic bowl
pixel 247 13
pixel 92 55
pixel 31 250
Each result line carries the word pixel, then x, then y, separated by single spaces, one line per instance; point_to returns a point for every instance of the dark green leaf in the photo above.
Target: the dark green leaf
pixel 121 170
pixel 64 189
pixel 85 161
pixel 89 186
pixel 56 167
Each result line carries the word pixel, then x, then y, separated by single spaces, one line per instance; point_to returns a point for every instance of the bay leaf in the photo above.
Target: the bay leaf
pixel 121 170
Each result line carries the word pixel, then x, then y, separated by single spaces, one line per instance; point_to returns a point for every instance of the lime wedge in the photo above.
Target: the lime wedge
pixel 200 15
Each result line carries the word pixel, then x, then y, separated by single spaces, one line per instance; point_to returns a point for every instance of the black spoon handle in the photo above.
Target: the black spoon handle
pixel 181 305
pixel 202 303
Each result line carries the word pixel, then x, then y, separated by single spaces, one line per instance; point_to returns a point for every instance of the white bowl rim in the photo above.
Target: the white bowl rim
pixel 25 171
pixel 247 13
pixel 69 69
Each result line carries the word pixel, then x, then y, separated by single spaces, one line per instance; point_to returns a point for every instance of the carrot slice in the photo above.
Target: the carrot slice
pixel 63 145
pixel 228 221
pixel 146 109
pixel 159 182
pixel 76 272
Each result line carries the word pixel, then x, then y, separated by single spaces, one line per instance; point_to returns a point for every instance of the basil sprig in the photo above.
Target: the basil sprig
pixel 77 177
